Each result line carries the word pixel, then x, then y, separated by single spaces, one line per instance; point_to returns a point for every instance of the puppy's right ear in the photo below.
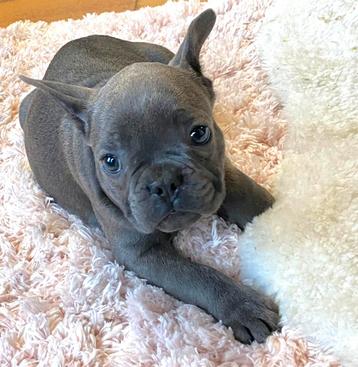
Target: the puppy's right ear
pixel 188 54
pixel 73 98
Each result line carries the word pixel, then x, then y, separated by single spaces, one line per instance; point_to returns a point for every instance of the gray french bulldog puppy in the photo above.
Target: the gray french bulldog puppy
pixel 122 134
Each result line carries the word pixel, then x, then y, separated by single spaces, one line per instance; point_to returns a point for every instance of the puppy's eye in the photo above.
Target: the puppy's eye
pixel 111 163
pixel 200 135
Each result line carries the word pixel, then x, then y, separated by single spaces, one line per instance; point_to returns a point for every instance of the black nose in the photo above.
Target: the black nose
pixel 166 187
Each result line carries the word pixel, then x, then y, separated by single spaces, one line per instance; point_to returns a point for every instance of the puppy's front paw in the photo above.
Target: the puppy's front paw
pixel 251 315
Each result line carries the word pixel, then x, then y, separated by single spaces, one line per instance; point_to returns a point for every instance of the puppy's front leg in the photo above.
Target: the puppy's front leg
pixel 245 199
pixel 251 315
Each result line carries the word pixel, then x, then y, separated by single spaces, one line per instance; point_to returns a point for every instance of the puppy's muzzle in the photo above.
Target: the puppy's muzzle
pixel 170 196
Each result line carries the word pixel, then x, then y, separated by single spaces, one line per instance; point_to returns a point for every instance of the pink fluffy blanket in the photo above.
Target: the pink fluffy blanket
pixel 63 300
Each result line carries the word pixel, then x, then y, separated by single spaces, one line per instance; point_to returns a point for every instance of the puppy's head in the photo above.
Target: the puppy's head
pixel 158 152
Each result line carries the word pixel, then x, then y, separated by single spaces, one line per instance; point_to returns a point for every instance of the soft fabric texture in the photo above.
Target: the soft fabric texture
pixel 305 250
pixel 65 302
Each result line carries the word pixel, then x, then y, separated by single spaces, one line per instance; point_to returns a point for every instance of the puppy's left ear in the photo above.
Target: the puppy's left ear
pixel 75 99
pixel 188 54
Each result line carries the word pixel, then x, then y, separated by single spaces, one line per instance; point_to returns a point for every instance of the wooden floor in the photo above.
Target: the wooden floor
pixel 49 10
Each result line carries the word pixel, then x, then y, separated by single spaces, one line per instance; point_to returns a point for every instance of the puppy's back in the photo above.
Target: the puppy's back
pixel 94 59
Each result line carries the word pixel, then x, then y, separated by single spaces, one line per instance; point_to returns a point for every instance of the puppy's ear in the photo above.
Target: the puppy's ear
pixel 73 98
pixel 187 56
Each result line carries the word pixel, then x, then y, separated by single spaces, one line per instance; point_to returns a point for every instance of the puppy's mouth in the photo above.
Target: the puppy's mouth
pixel 176 221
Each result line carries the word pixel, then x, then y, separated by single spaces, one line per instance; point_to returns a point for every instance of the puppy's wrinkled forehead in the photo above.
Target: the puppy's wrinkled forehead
pixel 149 100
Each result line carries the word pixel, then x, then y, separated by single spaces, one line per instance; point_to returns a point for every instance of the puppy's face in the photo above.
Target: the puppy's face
pixel 159 154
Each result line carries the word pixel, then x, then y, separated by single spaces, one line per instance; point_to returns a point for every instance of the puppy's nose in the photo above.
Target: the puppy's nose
pixel 166 187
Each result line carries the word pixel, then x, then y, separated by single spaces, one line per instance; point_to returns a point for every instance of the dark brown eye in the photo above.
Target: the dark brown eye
pixel 200 135
pixel 111 163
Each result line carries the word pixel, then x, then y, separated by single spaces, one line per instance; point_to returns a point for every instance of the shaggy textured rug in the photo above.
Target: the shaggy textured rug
pixel 64 302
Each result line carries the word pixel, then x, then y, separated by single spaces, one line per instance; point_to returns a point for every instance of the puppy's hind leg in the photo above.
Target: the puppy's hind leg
pixel 24 108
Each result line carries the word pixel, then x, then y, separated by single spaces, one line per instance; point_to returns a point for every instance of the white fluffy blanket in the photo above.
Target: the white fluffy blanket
pixel 305 250
pixel 64 302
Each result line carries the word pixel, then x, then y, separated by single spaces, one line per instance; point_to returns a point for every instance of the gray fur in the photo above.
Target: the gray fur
pixel 139 101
